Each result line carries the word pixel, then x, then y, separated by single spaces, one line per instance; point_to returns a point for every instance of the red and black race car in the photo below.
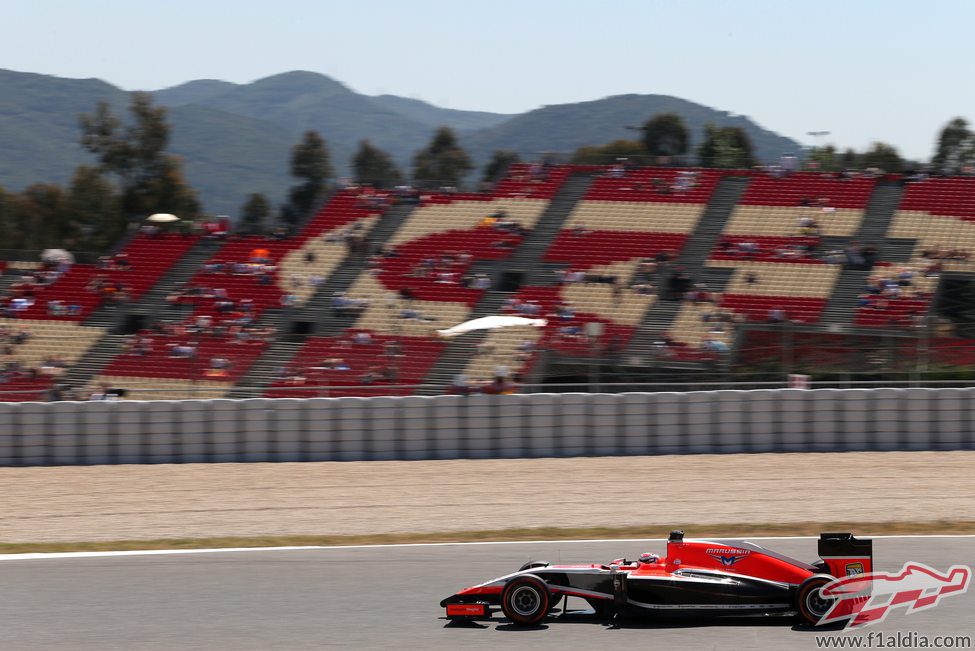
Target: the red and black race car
pixel 697 577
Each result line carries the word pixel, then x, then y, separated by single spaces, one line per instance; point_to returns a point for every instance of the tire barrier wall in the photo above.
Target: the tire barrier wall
pixel 478 427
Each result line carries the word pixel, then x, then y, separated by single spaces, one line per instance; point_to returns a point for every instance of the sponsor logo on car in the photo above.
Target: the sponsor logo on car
pixel 852 569
pixel 867 599
pixel 727 556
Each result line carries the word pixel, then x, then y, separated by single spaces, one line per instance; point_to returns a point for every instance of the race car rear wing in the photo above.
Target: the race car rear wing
pixel 846 555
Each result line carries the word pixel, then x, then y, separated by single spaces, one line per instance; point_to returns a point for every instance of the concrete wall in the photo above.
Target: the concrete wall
pixel 457 427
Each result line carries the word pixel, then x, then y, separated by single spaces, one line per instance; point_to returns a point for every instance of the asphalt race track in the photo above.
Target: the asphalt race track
pixel 383 597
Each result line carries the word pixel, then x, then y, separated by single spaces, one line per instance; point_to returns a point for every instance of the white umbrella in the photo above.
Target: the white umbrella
pixel 491 323
pixel 162 218
pixel 56 255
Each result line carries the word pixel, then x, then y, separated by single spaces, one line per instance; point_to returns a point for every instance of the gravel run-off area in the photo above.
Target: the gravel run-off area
pixel 54 504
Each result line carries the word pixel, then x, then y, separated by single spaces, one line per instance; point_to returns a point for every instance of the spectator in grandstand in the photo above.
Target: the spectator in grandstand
pixel 415 315
pixel 185 351
pixel 20 304
pixel 643 288
pixel 58 392
pixel 869 254
pixel 776 315
pixel 699 295
pixel 219 363
pixel 713 345
pixel 835 256
pixel 808 226
pixel 527 346
pixel 204 322
pixel 362 338
pixel 407 294
pixel 580 230
pixel 665 345
pixel 686 180
pixel 481 282
pixel 489 221
pixel 748 249
pixel 854 255
pixel 647 267
pixel 571 332
pixel 460 386
pixel 383 251
pixel 105 391
pixel 933 269
pixel 393 348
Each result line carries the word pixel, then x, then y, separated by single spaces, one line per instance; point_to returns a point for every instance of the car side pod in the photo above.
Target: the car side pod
pixel 846 555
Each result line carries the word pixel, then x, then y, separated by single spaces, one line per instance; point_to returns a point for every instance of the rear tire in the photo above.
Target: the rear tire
pixel 526 600
pixel 810 604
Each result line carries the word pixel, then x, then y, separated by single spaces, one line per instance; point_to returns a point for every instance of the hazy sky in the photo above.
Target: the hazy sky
pixel 863 69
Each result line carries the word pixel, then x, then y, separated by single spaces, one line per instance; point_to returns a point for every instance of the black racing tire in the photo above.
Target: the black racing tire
pixel 810 605
pixel 526 600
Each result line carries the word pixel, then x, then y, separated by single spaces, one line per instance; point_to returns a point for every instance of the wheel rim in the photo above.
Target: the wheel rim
pixel 816 603
pixel 524 600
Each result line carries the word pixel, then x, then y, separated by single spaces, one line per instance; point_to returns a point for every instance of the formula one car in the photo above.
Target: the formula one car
pixel 697 577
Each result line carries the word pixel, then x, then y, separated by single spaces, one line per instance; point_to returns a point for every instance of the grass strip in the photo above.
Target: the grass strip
pixel 540 533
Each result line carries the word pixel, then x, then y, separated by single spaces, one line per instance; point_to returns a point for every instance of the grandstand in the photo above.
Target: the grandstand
pixel 673 263
pixel 427 278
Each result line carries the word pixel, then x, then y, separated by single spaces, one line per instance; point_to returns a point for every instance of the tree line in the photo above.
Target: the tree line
pixel 134 175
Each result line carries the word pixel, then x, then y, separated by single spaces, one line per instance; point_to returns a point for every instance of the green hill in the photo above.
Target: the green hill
pixel 236 138
pixel 39 125
pixel 434 116
pixel 192 92
pixel 565 127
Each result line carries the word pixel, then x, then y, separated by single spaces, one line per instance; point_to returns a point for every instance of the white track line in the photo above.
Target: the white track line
pixel 224 550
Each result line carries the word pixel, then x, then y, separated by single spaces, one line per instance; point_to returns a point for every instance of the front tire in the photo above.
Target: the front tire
pixel 811 605
pixel 526 600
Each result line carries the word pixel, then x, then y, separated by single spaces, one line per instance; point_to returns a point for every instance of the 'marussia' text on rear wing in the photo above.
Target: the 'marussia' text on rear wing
pixel 846 555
